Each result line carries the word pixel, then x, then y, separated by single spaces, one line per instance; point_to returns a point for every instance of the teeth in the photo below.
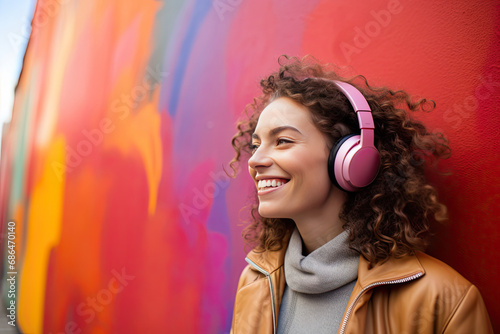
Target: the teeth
pixel 261 184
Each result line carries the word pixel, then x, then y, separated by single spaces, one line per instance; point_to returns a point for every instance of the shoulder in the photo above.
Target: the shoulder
pixel 451 300
pixel 439 300
pixel 250 273
pixel 439 273
pixel 439 284
pixel 248 276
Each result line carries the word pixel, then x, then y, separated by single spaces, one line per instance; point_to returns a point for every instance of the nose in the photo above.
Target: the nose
pixel 259 159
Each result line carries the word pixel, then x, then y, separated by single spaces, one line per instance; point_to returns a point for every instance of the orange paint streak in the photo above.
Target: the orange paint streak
pixel 77 259
pixel 140 132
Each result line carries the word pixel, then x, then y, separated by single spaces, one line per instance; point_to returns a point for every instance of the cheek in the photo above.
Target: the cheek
pixel 313 176
pixel 311 167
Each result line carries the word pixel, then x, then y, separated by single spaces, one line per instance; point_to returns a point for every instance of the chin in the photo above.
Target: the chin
pixel 267 212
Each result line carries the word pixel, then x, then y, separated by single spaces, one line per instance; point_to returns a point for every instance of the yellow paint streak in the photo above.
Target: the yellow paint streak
pixel 43 232
pixel 140 131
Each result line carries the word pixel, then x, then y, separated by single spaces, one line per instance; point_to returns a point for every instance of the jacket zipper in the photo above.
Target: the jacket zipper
pixel 270 287
pixel 349 310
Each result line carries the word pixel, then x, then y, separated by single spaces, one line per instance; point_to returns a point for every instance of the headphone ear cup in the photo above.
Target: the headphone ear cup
pixel 331 160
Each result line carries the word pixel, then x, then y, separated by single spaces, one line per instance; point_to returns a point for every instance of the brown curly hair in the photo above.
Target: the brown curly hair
pixel 390 217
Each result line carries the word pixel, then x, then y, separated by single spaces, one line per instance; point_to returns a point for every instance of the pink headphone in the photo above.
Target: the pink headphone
pixel 354 161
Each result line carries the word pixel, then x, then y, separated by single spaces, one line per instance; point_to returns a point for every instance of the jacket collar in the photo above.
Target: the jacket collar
pixel 392 269
pixel 270 260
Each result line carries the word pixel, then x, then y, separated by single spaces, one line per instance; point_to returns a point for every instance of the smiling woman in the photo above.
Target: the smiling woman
pixel 343 211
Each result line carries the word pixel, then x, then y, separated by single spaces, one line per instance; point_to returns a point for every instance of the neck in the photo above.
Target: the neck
pixel 320 226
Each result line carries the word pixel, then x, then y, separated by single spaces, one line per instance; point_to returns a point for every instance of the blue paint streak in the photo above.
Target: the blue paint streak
pixel 201 8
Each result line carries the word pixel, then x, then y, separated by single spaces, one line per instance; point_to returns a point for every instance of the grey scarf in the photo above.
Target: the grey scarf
pixel 327 268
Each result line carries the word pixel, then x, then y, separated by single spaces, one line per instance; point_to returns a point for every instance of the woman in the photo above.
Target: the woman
pixel 343 213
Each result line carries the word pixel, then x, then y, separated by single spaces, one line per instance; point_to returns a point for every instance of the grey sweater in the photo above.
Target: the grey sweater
pixel 318 286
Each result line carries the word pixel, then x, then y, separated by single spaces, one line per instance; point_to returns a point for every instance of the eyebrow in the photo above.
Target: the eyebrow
pixel 278 130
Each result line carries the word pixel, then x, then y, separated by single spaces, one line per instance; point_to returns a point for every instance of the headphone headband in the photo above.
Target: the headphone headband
pixel 362 110
pixel 357 99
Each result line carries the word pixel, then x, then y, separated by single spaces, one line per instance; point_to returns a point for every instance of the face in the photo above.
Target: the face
pixel 289 163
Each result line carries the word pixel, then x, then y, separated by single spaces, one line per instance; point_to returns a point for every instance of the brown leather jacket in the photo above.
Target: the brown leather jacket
pixel 415 294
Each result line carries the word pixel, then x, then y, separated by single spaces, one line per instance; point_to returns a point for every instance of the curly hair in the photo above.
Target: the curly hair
pixel 389 218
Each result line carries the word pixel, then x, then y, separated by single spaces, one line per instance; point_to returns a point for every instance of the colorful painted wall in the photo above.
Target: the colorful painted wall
pixel 112 166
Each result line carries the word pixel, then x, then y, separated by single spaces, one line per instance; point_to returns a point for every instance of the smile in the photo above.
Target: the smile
pixel 265 186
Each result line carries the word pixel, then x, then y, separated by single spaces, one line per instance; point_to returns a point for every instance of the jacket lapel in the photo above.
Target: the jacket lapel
pixel 270 261
pixel 393 271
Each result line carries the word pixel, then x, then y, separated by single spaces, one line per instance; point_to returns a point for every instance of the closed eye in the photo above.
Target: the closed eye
pixel 253 148
pixel 279 142
pixel 282 141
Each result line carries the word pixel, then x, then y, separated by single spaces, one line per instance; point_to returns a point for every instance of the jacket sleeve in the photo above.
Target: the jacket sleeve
pixel 470 315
